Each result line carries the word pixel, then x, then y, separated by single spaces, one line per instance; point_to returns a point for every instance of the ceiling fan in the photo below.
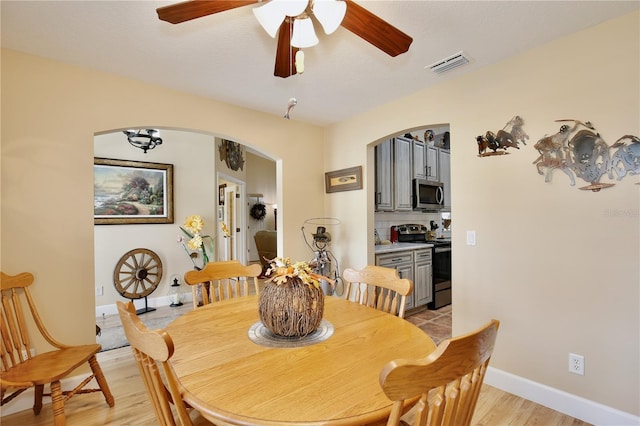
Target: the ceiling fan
pixel 356 19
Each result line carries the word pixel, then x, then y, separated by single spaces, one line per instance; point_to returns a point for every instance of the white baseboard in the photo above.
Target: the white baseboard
pixel 566 403
pixel 139 304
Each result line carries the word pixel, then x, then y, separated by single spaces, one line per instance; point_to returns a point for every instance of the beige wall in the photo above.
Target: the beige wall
pixel 50 113
pixel 557 265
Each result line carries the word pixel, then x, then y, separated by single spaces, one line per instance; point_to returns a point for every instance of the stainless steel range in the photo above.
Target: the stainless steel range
pixel 441 255
pixel 441 274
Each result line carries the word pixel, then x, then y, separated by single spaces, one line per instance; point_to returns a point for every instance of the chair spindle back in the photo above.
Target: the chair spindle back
pixel 223 280
pixel 378 287
pixel 447 382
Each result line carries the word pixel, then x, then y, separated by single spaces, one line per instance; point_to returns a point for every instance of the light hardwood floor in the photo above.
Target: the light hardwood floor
pixel 495 407
pixel 133 408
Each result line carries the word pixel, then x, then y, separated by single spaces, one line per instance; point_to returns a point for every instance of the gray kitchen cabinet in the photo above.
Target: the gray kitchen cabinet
pixel 444 157
pixel 419 159
pixel 402 171
pixel 407 271
pixel 384 176
pixel 432 163
pixel 415 265
pixel 397 162
pixel 403 263
pixel 422 283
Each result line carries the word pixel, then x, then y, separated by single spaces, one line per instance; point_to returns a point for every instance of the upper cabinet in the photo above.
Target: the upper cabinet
pixel 419 158
pixel 393 175
pixel 398 162
pixel 384 176
pixel 402 174
pixel 432 163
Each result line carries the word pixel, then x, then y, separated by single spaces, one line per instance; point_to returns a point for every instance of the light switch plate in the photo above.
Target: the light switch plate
pixel 471 238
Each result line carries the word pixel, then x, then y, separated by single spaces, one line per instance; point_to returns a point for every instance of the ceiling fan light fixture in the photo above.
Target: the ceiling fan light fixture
pixel 329 13
pixel 293 7
pixel 270 16
pixel 303 33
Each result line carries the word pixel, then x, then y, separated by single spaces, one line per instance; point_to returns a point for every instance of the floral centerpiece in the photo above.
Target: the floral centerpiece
pixel 292 302
pixel 192 228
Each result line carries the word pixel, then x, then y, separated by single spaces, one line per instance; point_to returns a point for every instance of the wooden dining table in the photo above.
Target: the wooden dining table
pixel 231 379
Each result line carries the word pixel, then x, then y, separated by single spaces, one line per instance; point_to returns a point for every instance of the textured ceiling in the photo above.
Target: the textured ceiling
pixel 229 57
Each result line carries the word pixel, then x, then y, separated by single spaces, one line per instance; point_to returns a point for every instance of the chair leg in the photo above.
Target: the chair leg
pixel 102 382
pixel 37 399
pixel 57 403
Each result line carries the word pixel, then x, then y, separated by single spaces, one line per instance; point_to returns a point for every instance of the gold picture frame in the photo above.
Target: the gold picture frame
pixel 132 192
pixel 348 179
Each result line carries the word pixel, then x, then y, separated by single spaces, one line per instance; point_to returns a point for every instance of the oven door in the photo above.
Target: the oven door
pixel 441 265
pixel 441 277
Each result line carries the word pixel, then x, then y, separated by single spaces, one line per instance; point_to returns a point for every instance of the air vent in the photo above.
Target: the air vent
pixel 449 63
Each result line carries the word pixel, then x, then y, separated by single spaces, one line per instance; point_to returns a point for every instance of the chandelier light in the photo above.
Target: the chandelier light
pixel 145 139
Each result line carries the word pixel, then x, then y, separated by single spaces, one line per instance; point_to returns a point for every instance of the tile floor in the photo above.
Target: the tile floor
pixel 436 323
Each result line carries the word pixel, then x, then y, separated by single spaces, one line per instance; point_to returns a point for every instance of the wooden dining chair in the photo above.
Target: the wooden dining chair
pixel 223 280
pixel 378 287
pixel 23 369
pixel 152 350
pixel 447 382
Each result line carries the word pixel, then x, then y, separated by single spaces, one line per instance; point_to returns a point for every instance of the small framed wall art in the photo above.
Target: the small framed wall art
pixel 132 192
pixel 343 180
pixel 221 194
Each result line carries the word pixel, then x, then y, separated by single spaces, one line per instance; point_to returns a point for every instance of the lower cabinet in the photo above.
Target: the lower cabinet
pixel 414 265
pixel 423 277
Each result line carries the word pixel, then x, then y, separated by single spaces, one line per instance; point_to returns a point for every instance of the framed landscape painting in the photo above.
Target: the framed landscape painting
pixel 132 192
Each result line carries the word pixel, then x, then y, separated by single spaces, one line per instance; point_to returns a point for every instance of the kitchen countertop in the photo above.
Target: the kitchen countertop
pixel 391 248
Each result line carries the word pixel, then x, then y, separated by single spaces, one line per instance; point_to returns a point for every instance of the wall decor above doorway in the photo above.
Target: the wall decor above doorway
pixel 232 153
pixel 132 192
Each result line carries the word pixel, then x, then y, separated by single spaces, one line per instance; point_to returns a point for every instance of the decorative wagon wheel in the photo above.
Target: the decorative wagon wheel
pixel 138 274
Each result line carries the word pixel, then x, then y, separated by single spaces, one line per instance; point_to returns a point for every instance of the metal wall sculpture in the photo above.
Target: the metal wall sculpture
pixel 509 137
pixel 579 151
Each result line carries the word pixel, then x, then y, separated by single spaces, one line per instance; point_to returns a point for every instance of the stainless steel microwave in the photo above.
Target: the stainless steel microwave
pixel 427 194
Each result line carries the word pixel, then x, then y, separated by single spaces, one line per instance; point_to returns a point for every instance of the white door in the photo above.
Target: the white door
pixel 233 245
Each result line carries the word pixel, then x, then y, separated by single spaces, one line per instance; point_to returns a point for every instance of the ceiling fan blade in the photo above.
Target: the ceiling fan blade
pixel 376 31
pixel 188 10
pixel 285 53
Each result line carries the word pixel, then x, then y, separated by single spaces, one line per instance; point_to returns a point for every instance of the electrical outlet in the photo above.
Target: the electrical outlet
pixel 576 364
pixel 24 353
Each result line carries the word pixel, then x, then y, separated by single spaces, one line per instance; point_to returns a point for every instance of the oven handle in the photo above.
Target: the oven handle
pixel 441 249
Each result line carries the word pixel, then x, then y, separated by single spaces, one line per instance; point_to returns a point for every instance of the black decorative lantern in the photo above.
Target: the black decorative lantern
pixel 175 294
